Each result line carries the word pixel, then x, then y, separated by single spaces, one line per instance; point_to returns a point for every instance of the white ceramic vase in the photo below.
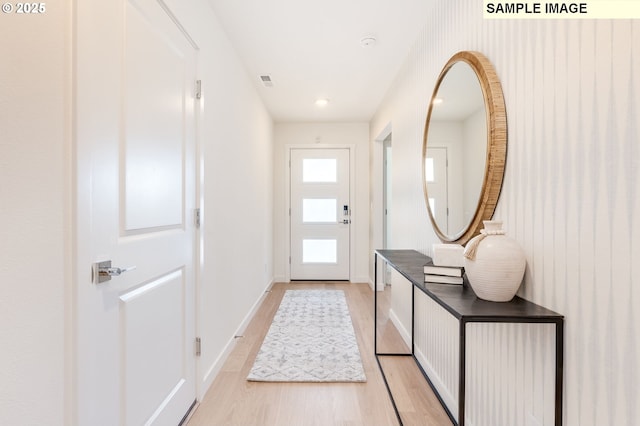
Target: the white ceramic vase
pixel 494 263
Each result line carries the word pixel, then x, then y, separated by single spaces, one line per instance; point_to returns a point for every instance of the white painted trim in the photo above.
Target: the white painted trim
pixel 360 279
pixel 216 366
pixel 376 224
pixel 198 267
pixel 404 333
pixel 280 279
pixel 370 282
pixel 384 133
pixel 450 400
pixel 352 192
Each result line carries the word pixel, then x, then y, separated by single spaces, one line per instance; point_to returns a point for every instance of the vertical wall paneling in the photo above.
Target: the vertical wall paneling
pixel 437 348
pixel 501 389
pixel 571 196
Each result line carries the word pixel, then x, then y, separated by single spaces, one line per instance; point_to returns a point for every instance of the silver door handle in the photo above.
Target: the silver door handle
pixel 115 272
pixel 103 271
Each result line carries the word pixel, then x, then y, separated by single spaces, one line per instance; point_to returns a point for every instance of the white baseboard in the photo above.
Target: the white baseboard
pixel 381 286
pixel 360 279
pixel 216 366
pixel 404 333
pixel 450 401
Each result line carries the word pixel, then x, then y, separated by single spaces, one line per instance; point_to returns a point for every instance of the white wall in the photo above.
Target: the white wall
pixel 356 134
pixel 34 216
pixel 237 190
pixel 571 193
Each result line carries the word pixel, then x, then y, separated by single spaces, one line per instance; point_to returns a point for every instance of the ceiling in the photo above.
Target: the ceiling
pixel 312 49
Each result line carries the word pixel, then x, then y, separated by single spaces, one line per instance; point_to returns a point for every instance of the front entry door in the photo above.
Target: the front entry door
pixel 320 214
pixel 135 131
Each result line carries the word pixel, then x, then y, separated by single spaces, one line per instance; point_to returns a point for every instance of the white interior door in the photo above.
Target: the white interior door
pixel 136 199
pixel 320 214
pixel 436 176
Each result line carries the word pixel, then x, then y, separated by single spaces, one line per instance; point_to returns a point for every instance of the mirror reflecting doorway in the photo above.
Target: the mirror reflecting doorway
pixel 386 195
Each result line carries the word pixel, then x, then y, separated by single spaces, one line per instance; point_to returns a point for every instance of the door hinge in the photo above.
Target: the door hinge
pixel 198 89
pixel 196 218
pixel 198 346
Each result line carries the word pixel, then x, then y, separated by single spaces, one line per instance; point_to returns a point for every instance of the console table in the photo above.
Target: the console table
pixel 461 302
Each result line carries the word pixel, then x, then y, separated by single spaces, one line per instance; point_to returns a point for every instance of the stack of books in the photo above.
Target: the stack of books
pixel 443 274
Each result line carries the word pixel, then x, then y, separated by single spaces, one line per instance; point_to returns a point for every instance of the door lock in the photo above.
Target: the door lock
pixel 346 215
pixel 103 271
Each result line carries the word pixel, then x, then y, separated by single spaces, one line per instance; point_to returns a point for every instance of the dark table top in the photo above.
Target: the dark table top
pixel 460 300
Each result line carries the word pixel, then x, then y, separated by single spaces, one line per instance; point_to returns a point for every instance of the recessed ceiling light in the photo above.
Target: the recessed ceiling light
pixel 368 41
pixel 437 101
pixel 322 102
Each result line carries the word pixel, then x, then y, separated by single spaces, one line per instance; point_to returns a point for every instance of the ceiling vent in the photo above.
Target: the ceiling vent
pixel 266 80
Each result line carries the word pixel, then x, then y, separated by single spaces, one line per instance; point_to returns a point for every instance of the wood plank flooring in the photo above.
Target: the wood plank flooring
pixel 234 401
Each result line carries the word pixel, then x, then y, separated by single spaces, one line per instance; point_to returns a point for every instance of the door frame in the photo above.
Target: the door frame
pixel 387 196
pixel 387 146
pixel 287 201
pixel 377 205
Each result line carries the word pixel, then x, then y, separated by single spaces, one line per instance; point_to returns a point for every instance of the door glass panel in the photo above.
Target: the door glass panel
pixel 319 210
pixel 319 170
pixel 429 170
pixel 319 251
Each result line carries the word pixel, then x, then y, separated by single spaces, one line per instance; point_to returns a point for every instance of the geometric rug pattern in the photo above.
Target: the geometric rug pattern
pixel 311 339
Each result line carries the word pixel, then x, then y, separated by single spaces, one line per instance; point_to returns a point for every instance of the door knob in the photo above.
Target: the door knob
pixel 103 271
pixel 114 272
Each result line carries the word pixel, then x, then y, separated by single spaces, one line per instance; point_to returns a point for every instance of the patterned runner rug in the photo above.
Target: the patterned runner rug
pixel 311 339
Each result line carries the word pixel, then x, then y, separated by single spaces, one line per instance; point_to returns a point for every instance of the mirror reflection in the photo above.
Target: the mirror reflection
pixel 393 313
pixel 456 150
pixel 464 148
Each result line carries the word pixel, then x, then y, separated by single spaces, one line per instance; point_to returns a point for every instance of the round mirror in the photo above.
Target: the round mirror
pixel 464 147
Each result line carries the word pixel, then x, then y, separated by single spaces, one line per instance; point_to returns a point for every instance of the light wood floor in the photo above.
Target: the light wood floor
pixel 234 401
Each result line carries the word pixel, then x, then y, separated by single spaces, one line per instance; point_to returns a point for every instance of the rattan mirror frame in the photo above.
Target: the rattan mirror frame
pixel 496 144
